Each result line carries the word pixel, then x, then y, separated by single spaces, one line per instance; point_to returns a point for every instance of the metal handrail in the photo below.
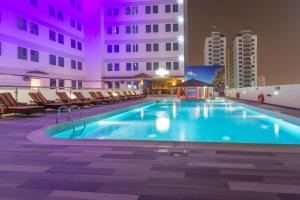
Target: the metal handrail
pixel 60 109
pixel 74 134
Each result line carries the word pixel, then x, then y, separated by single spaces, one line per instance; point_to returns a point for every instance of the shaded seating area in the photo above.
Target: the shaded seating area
pixel 194 89
pixel 40 99
pixel 12 106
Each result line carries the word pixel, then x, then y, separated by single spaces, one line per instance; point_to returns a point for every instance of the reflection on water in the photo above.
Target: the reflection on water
pixel 162 121
pixel 205 111
pixel 276 129
pixel 174 110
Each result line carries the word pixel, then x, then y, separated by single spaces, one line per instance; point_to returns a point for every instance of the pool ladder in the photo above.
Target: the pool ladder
pixel 70 118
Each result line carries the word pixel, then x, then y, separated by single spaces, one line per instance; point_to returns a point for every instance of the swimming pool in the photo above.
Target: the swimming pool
pixel 187 121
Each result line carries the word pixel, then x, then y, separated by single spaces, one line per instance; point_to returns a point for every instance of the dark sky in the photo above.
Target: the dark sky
pixel 276 22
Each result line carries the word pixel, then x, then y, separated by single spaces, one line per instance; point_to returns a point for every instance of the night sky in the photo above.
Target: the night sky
pixel 276 22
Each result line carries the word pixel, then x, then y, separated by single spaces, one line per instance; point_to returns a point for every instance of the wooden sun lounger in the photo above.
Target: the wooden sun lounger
pixel 66 99
pixel 109 98
pixel 40 99
pixel 95 95
pixel 81 97
pixel 13 107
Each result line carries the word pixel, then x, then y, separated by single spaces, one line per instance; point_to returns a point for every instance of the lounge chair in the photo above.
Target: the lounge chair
pixel 40 99
pixel 129 95
pixel 122 96
pixel 138 95
pixel 81 97
pixel 13 107
pixel 66 99
pixel 116 98
pixel 109 98
pixel 96 96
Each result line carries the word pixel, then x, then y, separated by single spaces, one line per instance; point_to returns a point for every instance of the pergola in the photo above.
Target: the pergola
pixel 202 90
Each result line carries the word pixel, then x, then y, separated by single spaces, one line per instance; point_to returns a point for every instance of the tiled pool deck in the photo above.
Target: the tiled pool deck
pixel 33 171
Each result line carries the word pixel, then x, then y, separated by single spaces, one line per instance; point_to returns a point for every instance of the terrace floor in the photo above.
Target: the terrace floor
pixel 31 171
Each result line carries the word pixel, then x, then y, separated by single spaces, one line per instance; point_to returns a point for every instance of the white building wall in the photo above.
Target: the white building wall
pixel 142 37
pixel 283 95
pixel 11 37
pixel 211 59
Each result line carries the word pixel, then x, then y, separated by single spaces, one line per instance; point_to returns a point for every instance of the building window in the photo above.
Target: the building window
pixel 61 61
pixel 109 48
pixel 34 56
pixel 74 84
pixel 176 65
pixel 79 65
pixel 168 66
pixel 109 67
pixel 155 66
pixel 168 8
pixel 135 66
pixel 117 66
pixel 60 38
pixel 73 44
pixel 116 48
pixel 128 66
pixel 155 28
pixel 155 9
pixel 175 7
pixel 61 84
pixel 168 27
pixel 73 23
pixel 22 53
pixel 168 47
pixel 79 46
pixel 79 26
pixel 128 29
pixel 52 59
pixel 22 24
pixel 135 48
pixel 117 85
pixel 52 83
pixel 116 11
pixel 60 15
pixel 109 85
pixel 73 64
pixel 156 47
pixel 135 10
pixel 175 46
pixel 79 84
pixel 52 35
pixel 148 47
pixel 135 29
pixel 128 48
pixel 148 9
pixel 128 11
pixel 148 28
pixel 34 3
pixel 52 11
pixel 34 28
pixel 148 66
pixel 175 27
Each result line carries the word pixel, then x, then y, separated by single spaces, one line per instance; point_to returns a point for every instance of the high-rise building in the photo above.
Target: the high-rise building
pixel 143 44
pixel 215 49
pixel 244 50
pixel 42 43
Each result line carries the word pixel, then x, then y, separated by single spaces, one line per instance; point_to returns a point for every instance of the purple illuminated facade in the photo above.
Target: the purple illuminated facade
pixel 93 43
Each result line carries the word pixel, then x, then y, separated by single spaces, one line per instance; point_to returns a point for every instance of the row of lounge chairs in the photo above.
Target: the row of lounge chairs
pixel 41 103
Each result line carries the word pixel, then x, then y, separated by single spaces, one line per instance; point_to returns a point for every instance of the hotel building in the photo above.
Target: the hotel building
pixel 244 59
pixel 42 43
pixel 143 44
pixel 215 49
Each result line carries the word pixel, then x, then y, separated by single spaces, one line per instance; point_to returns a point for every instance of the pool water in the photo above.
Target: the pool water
pixel 189 121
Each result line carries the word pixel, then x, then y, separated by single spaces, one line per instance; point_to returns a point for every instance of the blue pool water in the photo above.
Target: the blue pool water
pixel 189 121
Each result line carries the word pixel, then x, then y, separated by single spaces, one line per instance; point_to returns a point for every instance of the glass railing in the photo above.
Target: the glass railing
pixel 21 94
